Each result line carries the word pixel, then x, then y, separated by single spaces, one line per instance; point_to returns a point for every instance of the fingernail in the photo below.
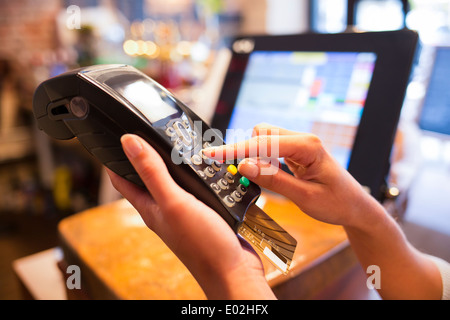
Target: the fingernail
pixel 210 152
pixel 131 145
pixel 249 169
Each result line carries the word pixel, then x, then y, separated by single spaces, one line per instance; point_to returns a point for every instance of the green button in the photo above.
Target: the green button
pixel 244 181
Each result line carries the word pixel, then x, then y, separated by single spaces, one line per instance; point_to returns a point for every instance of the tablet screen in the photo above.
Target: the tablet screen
pixel 435 115
pixel 316 92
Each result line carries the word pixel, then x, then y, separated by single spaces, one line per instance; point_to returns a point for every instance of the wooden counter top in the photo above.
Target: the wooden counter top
pixel 121 258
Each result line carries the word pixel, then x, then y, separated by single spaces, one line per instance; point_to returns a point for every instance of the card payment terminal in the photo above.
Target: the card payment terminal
pixel 99 104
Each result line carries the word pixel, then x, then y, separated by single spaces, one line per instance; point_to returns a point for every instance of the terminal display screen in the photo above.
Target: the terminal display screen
pixel 435 115
pixel 315 92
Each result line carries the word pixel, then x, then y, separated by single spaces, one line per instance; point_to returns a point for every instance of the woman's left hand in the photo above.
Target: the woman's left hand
pixel 225 266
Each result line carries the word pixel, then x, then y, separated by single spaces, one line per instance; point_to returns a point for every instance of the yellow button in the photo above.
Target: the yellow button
pixel 232 169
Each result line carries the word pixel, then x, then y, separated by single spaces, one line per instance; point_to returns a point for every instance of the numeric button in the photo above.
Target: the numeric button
pixel 182 133
pixel 196 159
pixel 229 201
pixel 202 175
pixel 210 172
pixel 215 187
pixel 216 165
pixel 241 189
pixel 237 196
pixel 178 144
pixel 223 184
pixel 229 177
pixel 193 134
pixel 170 132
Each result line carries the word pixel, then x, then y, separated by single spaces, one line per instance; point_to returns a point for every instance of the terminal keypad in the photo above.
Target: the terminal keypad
pixel 223 178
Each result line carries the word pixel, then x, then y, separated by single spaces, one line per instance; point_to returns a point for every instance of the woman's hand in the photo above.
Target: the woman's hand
pixel 225 266
pixel 320 186
pixel 327 192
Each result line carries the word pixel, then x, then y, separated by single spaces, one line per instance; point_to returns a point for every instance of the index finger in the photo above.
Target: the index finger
pixel 300 148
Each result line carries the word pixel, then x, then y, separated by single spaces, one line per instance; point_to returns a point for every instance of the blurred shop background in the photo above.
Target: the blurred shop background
pixel 181 44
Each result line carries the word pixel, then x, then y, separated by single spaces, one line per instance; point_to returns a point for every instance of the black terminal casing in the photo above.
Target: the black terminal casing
pixel 107 116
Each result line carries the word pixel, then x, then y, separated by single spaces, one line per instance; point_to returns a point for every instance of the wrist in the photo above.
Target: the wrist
pixel 368 216
pixel 363 208
pixel 248 285
pixel 242 283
